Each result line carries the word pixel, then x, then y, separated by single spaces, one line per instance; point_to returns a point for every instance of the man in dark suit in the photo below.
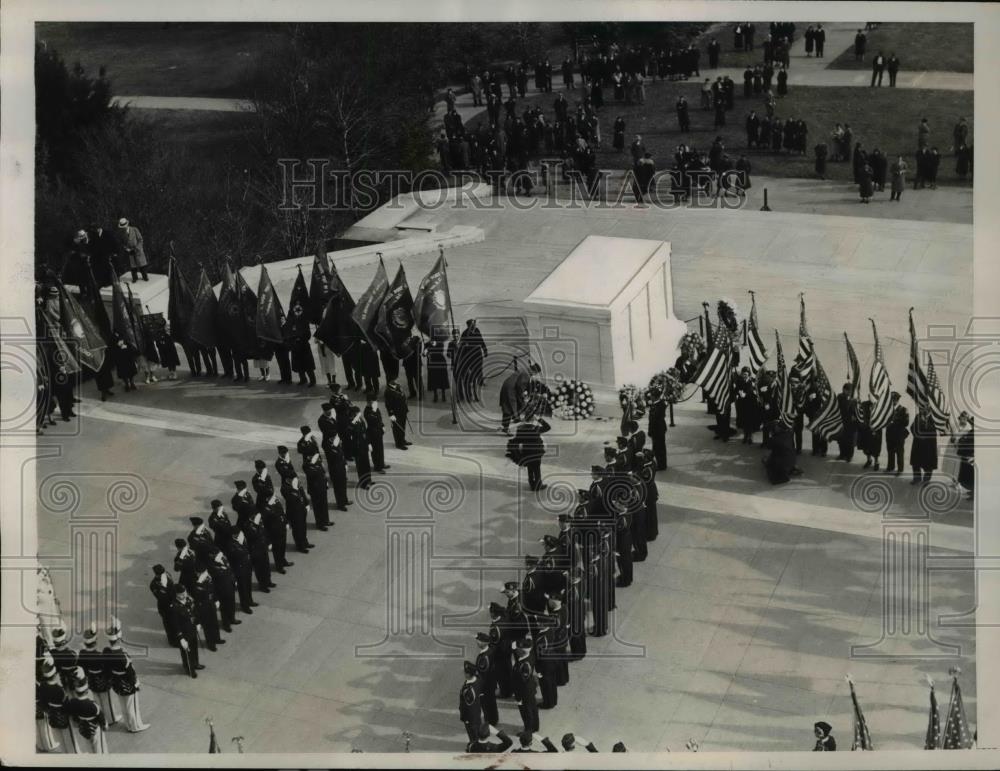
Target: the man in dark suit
pixel 526 687
pixel 469 702
pixel 530 448
pixel 263 486
pixel 243 505
pixel 657 428
pixel 224 580
pixel 486 666
pixel 893 66
pixel 819 38
pixel 896 431
pixel 272 515
pixel 203 594
pixel 375 428
pixel 162 587
pixel 222 526
pixel 878 68
pixel 239 559
pixel 847 438
pixel 397 407
pixel 482 744
pixel 297 505
pixel 316 484
pixel 283 465
pixel 182 616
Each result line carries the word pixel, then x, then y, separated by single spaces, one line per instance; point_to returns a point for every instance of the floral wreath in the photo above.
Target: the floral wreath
pixel 692 346
pixel 668 383
pixel 572 400
pixel 631 394
pixel 729 314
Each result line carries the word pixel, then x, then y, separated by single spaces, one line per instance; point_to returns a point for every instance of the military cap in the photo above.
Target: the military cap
pixel 180 543
pixel 530 560
pixel 335 388
pixel 259 464
pixel 619 747
pixel 551 542
pixel 59 636
pixel 159 570
pixel 282 449
pixel 564 518
pixel 496 609
pixel 196 521
pixel 469 667
pixel 326 406
pixel 216 503
pixel 240 484
pixel 305 430
pixel 568 741
pixel 510 586
pixel 483 637
pixel 90 635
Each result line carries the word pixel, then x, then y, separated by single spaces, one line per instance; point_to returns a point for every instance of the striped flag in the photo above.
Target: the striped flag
pixel 933 738
pixel 854 376
pixel 213 744
pixel 956 727
pixel 862 737
pixel 827 423
pixel 940 414
pixel 787 403
pixel 805 360
pixel 916 381
pixel 755 344
pixel 879 388
pixel 716 372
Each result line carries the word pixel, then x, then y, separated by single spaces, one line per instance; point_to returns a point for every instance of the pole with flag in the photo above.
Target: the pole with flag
pixel 395 317
pixel 270 316
pixel 213 744
pixel 180 303
pixel 853 368
pixel 365 313
pixel 933 739
pixel 204 314
pixel 296 326
pixel 956 727
pixel 319 287
pixel 716 372
pixel 787 400
pixel 803 366
pixel 828 422
pixel 77 326
pixel 862 737
pixel 926 394
pixel 879 387
pixel 940 413
pixel 432 310
pixel 755 343
pixel 336 329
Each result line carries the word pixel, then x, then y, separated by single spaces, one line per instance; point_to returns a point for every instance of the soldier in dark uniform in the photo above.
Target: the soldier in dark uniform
pixel 527 740
pixel 482 744
pixel 222 526
pixel 241 501
pixel 255 534
pixel 547 666
pixel 411 365
pixel 124 681
pixel 576 614
pixel 923 448
pixel 185 563
pixel 647 472
pixel 88 720
pixel 375 430
pixel 263 486
pixel 316 483
pixel 307 446
pixel 396 406
pixel 272 515
pixel 559 638
pixel 94 666
pixel 469 702
pixel 65 658
pixel 239 559
pixel 896 431
pixel 486 666
pixel 52 695
pixel 636 505
pixel 162 587
pixel 201 540
pixel 657 428
pixel 369 365
pixel 525 688
pixel 623 540
pixel 336 461
pixel 847 405
pixel 869 441
pixel 182 614
pixel 344 414
pixel 297 505
pixel 203 594
pixel 597 590
pixel 283 465
pixel 224 580
pixel 362 460
pixel 500 636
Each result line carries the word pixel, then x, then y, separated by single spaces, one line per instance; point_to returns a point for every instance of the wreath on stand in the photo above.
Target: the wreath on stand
pixel 572 400
pixel 669 384
pixel 632 400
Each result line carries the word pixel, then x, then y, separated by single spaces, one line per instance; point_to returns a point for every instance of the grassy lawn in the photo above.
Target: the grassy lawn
pixel 886 118
pixel 213 136
pixel 723 32
pixel 924 46
pixel 162 59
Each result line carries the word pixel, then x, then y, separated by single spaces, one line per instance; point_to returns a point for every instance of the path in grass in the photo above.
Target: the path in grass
pixel 919 46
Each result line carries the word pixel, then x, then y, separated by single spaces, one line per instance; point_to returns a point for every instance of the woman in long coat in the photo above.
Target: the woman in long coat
pixel 748 410
pixel 869 441
pixel 866 187
pixel 619 141
pixel 899 169
pixel 130 244
pixel 923 448
pixel 437 368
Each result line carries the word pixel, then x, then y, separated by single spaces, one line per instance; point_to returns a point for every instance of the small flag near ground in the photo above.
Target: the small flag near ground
pixel 755 343
pixel 862 736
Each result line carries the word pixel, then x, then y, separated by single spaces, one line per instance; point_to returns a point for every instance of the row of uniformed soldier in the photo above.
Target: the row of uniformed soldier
pixel 532 639
pixel 78 695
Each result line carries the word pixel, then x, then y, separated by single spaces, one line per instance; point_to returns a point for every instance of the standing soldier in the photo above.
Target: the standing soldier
pixel 272 514
pixel 848 406
pixel 162 587
pixel 547 666
pixel 500 636
pixel 486 666
pixel 124 681
pixel 525 687
pixel 253 531
pixel 88 720
pixel 297 505
pixel 336 459
pixel 261 481
pixel 411 365
pixel 469 706
pixel 359 441
pixel 182 612
pixel 375 430
pixel 316 483
pixel 200 540
pixel 648 474
pixel 657 427
pixel 94 666
pixel 576 614
pixel 396 406
pixel 203 594
pixel 184 563
pixel 283 465
pixel 241 501
pixel 65 657
pixel 896 431
pixel 224 581
pixel 53 699
pixel 307 445
pixel 923 448
pixel 221 525
pixel 239 558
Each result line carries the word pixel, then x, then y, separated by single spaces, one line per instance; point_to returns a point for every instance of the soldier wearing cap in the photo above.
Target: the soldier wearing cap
pixel 124 682
pixel 222 526
pixel 483 744
pixel 162 587
pixel 239 559
pixel 263 486
pixel 272 515
pixel 307 445
pixel 501 636
pixel 576 614
pixel 283 465
pixel 316 483
pixel 182 615
pixel 242 502
pixel 569 742
pixel 547 664
pixel 470 703
pixel 184 563
pixel 623 541
pixel 50 715
pixel 532 588
pixel 559 639
pixel 658 427
pixel 65 657
pixel 375 430
pixel 205 610
pixel 647 472
pixel 88 720
pixel 486 666
pixel 598 591
pixel 527 740
pixel 201 540
pixel 297 505
pixel 344 414
pixel 359 441
pixel 224 581
pixel 256 537
pixel 525 687
pixel 95 667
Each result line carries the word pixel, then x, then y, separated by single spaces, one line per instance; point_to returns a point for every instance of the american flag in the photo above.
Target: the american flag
pixel 862 737
pixel 716 372
pixel 940 414
pixel 827 422
pixel 855 369
pixel 787 414
pixel 925 391
pixel 805 360
pixel 933 738
pixel 956 728
pixel 755 344
pixel 879 387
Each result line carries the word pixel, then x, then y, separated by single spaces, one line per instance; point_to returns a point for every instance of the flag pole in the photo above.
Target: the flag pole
pixel 451 316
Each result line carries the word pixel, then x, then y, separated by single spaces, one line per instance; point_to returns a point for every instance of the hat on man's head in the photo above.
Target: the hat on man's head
pixel 305 430
pixel 371 396
pixel 326 406
pixel 90 635
pixel 469 668
pixel 823 726
pixel 510 586
pixel 619 747
pixel 159 570
pixel 282 449
pixel 180 543
pixel 240 484
pixel 530 560
pixel 259 464
pixel 216 503
pixel 551 542
pixel 568 741
pixel 483 637
pixel 610 452
pixel 196 521
pixel 564 518
pixel 496 609
pixel 335 388
pixel 123 223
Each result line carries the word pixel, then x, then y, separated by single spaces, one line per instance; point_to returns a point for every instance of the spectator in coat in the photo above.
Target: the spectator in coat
pixel 923 449
pixel 131 247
